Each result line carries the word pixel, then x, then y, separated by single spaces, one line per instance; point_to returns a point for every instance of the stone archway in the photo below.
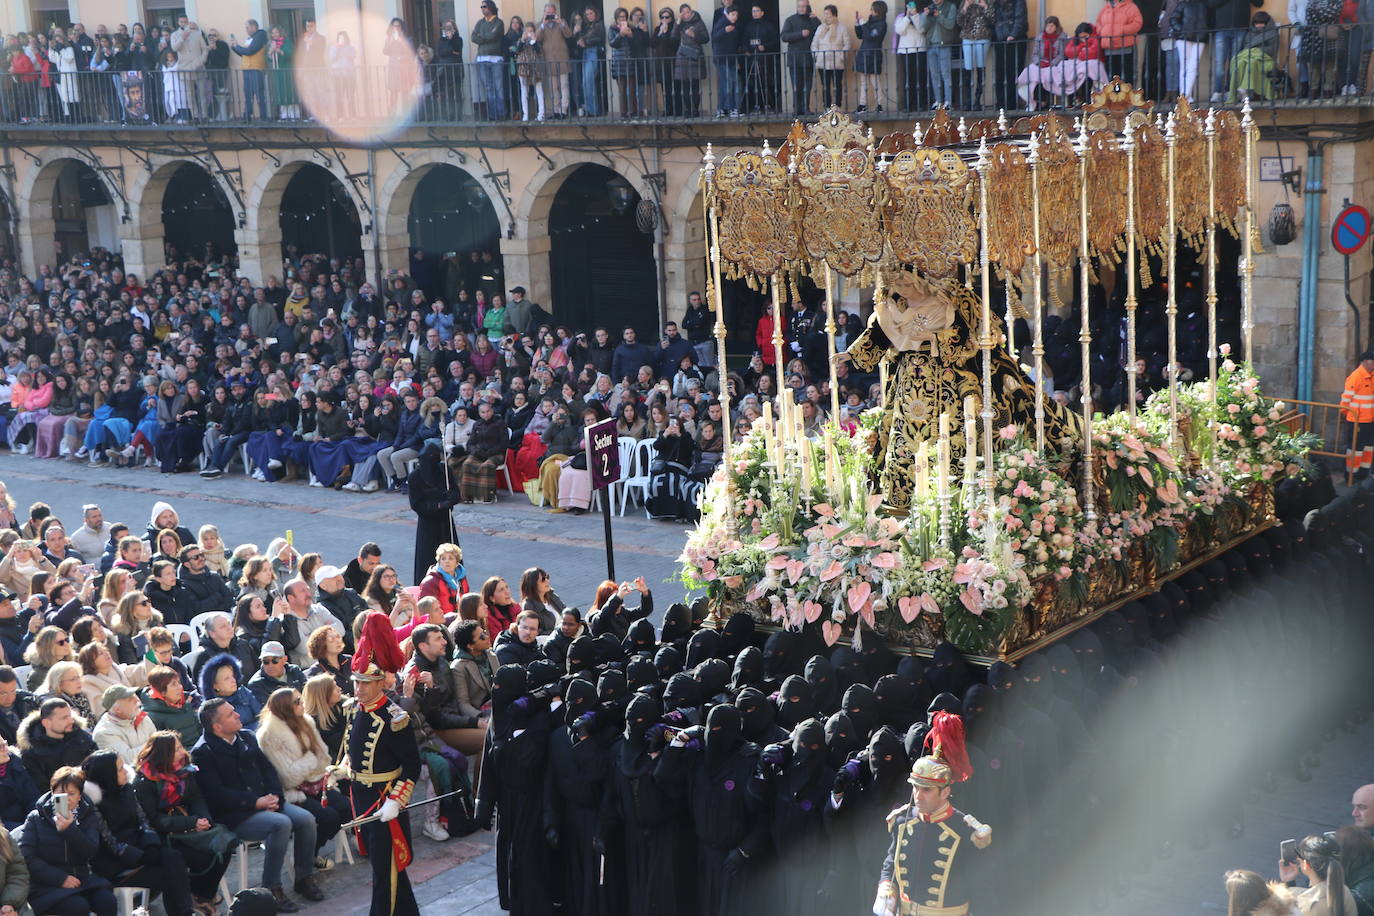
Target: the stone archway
pixel 38 224
pixel 260 238
pixel 527 254
pixel 145 235
pixel 397 195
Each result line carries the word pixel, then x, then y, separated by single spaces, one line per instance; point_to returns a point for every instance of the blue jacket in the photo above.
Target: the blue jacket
pixel 408 431
pixel 17 794
pixel 236 776
pixel 52 855
pixel 629 357
pixel 243 699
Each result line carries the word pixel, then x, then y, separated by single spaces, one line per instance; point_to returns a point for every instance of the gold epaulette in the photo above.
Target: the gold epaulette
pixel 894 814
pixel 399 717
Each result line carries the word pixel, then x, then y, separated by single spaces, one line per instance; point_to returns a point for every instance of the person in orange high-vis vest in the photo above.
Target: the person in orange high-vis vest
pixel 1357 406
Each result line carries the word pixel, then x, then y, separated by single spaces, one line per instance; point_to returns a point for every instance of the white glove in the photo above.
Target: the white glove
pixel 885 904
pixel 391 810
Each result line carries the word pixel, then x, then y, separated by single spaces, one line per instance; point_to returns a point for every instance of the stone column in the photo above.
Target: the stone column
pixel 526 262
pixel 259 253
pixel 142 248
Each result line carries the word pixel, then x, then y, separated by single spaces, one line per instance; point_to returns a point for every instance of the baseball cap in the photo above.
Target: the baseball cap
pixel 518 289
pixel 272 649
pixel 114 693
pixel 327 572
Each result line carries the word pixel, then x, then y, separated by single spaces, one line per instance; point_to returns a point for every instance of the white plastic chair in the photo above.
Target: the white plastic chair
pixel 635 475
pixel 129 898
pixel 179 630
pixel 199 621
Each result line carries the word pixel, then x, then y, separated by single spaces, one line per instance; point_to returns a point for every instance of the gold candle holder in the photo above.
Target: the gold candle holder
pixel 1037 332
pixel 830 338
pixel 1247 291
pixel 1171 303
pixel 1210 131
pixel 1128 144
pixel 985 342
pixel 777 334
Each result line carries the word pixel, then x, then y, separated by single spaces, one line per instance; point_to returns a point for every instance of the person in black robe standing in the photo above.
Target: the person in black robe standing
pixel 575 779
pixel 792 783
pixel 432 499
pixel 512 785
pixel 649 817
pixel 710 768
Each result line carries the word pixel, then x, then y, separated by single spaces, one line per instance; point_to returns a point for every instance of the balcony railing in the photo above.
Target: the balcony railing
pixel 1287 65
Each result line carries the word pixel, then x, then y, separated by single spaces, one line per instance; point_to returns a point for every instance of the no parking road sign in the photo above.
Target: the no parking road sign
pixel 1351 229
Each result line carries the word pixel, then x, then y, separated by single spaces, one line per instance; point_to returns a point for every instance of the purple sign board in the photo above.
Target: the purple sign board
pixel 603 453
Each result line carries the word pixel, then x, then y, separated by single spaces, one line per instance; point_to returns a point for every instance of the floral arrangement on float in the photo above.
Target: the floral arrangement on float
pixel 809 545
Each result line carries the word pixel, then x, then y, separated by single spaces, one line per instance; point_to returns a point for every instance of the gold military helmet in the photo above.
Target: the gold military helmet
pixel 947 762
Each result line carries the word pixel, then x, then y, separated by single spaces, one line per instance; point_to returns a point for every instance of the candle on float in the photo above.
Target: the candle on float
pixel 882 383
pixel 942 455
pixel 922 470
pixel 769 433
pixel 970 440
pixel 805 454
pixel 831 461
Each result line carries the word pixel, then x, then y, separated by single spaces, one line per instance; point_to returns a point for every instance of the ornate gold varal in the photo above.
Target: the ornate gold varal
pixel 1151 195
pixel 1190 176
pixel 1059 202
pixel 758 234
pixel 1009 209
pixel 839 192
pixel 928 217
pixel 1106 202
pixel 1114 105
pixel 1230 169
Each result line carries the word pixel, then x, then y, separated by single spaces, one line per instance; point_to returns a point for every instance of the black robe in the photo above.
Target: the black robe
pixel 432 500
pixel 575 779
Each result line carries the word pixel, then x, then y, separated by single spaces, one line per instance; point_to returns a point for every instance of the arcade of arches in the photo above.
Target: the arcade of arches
pixel 601 233
pixel 618 247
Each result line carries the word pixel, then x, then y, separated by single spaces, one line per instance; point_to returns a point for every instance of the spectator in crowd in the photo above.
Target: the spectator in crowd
pixel 253 53
pixel 940 24
pixel 1319 861
pixel 274 672
pixel 1362 808
pixel 99 672
pixel 519 645
pixel 359 568
pixel 291 742
pixel 61 847
pixel 50 646
pixel 302 617
pixel 342 602
pixel 223 677
pixel 487 36
pixel 326 647
pixel 17 790
pixel 1116 28
pixel 1248 894
pixel 169 705
pixel 15 704
pixel 52 737
pixel 538 597
pixel 169 790
pixel 125 727
pixel 446 580
pixel 248 798
pixel 90 539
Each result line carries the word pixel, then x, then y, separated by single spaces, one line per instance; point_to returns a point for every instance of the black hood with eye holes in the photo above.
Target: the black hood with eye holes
pixel 794 702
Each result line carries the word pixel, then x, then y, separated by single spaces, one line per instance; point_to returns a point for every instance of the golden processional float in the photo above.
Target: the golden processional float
pixel 970 506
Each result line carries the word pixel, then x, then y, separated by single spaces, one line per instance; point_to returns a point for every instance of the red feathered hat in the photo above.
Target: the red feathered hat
pixel 947 761
pixel 377 644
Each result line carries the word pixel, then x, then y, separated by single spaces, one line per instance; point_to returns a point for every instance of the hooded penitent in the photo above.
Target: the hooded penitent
pixel 794 702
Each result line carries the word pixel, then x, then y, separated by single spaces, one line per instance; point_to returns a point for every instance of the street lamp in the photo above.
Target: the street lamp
pixel 621 194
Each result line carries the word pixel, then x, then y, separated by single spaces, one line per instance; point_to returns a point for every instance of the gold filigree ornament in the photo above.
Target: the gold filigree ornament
pixel 758 235
pixel 1106 197
pixel 927 217
pixel 1230 170
pixel 839 190
pixel 1190 176
pixel 1151 196
pixel 1010 239
pixel 1059 200
pixel 1115 104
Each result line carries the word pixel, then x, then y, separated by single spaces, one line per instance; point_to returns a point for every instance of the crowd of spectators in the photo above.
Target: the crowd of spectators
pixel 964 54
pixel 330 380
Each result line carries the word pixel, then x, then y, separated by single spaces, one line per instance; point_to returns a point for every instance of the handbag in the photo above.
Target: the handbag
pixel 219 841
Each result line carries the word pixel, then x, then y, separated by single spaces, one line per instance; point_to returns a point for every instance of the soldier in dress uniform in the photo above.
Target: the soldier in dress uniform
pixel 382 766
pixel 929 869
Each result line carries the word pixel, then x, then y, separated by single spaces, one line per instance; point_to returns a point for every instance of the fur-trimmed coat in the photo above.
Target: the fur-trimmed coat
pixel 283 751
pixel 1281 902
